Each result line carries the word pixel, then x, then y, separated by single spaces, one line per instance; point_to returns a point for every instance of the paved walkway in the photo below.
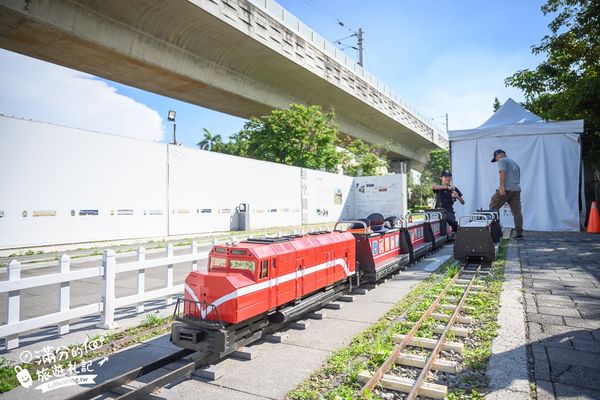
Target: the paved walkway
pixel 561 278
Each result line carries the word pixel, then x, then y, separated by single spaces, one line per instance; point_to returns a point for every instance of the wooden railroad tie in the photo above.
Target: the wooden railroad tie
pixel 462 332
pixel 474 288
pixel 347 299
pixel 428 343
pixel 472 272
pixel 452 307
pixel 405 385
pixel 316 315
pixel 415 360
pixel 459 319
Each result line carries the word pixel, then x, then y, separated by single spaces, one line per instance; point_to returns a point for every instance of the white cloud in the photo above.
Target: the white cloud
pixel 46 92
pixel 464 82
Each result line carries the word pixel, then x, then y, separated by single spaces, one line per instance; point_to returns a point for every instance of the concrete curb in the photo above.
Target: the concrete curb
pixel 507 368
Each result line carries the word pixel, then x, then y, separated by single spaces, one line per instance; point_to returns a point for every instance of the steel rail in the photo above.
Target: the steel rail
pixel 130 375
pixel 392 358
pixel 438 347
pixel 183 371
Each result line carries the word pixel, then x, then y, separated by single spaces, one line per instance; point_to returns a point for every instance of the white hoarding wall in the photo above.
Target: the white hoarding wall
pixel 326 197
pixel 62 185
pixel 206 187
pixel 380 194
pixel 65 185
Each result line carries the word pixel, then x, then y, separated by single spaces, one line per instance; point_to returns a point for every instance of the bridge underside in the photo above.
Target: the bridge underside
pixel 178 49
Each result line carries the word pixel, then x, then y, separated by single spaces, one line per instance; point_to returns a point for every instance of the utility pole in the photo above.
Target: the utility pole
pixel 361 49
pixel 446 124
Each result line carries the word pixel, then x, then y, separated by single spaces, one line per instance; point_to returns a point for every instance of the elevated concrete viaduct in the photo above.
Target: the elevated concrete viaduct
pixel 235 56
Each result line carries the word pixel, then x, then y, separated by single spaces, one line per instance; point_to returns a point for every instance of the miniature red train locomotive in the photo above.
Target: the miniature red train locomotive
pixel 254 286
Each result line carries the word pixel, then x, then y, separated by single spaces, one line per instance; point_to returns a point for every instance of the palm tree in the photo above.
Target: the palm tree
pixel 209 141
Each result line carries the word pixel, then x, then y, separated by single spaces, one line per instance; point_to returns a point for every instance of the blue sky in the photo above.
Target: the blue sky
pixel 442 56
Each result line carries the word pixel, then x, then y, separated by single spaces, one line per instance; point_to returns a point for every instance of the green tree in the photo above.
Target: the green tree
pixel 301 136
pixel 496 105
pixel 304 137
pixel 362 159
pixel 566 85
pixel 420 194
pixel 210 141
pixel 439 160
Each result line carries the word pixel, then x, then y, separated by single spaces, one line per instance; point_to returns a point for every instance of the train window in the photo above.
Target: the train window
pixel 239 252
pixel 218 262
pixel 264 269
pixel 242 264
pixel 220 250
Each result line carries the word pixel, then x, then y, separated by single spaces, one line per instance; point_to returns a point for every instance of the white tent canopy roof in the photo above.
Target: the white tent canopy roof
pixel 513 120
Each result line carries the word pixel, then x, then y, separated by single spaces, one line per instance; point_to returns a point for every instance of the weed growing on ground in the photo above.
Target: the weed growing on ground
pixel 153 320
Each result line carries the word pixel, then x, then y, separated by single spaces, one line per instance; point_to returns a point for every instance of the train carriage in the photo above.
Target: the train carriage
pixel 434 232
pixel 378 247
pixel 478 237
pixel 413 239
pixel 445 228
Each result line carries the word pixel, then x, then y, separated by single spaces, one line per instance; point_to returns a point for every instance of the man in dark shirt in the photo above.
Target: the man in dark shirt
pixel 446 195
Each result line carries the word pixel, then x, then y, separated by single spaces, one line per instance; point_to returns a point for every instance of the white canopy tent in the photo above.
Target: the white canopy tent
pixel 548 153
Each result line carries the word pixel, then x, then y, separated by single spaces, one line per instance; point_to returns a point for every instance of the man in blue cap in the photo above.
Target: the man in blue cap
pixel 509 189
pixel 446 195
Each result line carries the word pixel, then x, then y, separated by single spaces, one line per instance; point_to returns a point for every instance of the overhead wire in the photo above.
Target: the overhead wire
pixel 348 24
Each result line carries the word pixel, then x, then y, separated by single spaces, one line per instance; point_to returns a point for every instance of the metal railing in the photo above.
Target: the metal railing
pixel 106 307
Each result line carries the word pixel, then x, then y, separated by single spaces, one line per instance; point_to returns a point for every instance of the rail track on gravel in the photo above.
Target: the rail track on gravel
pixel 421 355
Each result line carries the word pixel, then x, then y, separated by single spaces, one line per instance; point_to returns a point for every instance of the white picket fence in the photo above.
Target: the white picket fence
pixel 108 271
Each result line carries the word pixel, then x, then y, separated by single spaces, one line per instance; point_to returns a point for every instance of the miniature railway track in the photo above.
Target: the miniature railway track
pixel 147 378
pixel 465 278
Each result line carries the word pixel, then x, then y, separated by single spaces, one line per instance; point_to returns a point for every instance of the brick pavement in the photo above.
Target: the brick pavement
pixel 561 279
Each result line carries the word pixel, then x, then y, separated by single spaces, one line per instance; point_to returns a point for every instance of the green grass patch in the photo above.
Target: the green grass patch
pixel 93 253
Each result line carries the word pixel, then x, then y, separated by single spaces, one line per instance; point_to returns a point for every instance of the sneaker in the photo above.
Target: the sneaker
pixel 519 236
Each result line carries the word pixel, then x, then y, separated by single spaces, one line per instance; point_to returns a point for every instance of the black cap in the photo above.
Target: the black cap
pixel 446 173
pixel 496 153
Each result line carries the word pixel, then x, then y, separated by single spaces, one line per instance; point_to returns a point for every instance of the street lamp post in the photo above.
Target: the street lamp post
pixel 171 118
